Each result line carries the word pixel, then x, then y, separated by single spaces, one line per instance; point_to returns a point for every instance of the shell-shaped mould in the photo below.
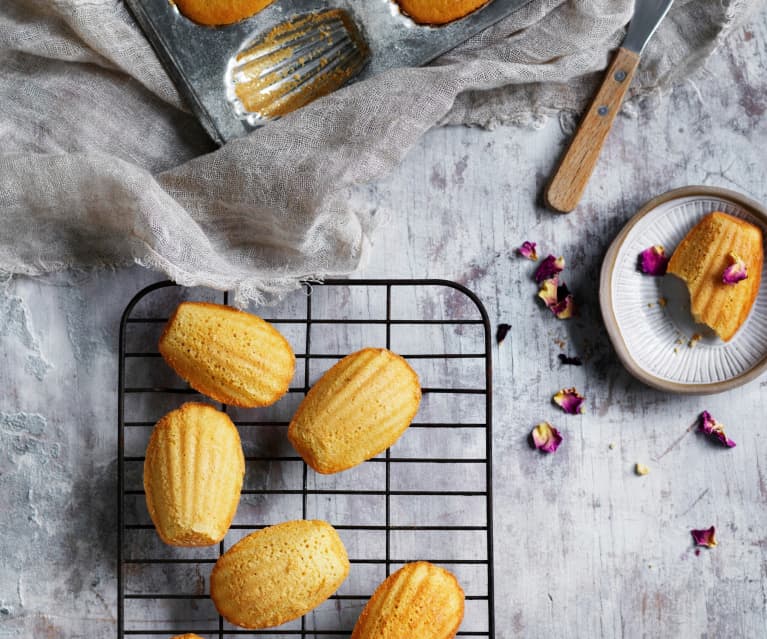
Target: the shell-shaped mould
pixel 356 410
pixel 419 600
pixel 278 573
pixel 193 475
pixel 229 355
pixel 701 259
pixel 187 636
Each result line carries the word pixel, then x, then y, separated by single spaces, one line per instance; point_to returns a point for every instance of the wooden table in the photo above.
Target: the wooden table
pixel 583 546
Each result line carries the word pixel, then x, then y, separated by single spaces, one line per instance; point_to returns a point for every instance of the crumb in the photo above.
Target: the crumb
pixel 561 343
pixel 641 469
pixel 611 445
pixel 676 350
pixel 662 301
pixel 694 340
pixel 650 304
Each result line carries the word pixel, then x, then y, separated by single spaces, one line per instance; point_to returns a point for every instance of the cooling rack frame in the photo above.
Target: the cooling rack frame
pixel 388 322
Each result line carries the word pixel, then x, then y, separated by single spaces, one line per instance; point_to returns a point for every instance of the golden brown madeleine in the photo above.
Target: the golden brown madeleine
pixel 279 573
pixel 419 600
pixel 232 356
pixel 187 636
pixel 356 410
pixel 193 475
pixel 439 11
pixel 219 12
pixel 700 261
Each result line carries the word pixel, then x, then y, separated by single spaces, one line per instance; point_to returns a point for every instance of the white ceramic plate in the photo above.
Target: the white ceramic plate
pixel 653 340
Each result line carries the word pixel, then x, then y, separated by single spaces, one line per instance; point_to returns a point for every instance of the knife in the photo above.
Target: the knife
pixel 569 181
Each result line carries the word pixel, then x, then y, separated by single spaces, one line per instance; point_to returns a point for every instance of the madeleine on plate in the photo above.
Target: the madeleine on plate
pixel 356 410
pixel 720 261
pixel 229 355
pixel 193 474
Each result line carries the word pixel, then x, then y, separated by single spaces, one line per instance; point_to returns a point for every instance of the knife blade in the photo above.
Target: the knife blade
pixel 576 166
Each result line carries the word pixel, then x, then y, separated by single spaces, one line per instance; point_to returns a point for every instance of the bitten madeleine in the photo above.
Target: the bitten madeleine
pixel 439 11
pixel 229 355
pixel 356 410
pixel 419 600
pixel 279 573
pixel 193 475
pixel 700 261
pixel 219 12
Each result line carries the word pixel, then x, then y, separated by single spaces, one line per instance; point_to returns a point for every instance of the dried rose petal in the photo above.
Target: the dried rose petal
pixel 736 271
pixel 548 291
pixel 565 307
pixel 653 260
pixel 572 361
pixel 546 438
pixel 528 250
pixel 549 268
pixel 502 332
pixel 712 427
pixel 570 400
pixel 704 537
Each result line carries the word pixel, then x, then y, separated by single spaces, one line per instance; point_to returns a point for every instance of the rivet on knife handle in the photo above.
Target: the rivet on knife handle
pixel 570 179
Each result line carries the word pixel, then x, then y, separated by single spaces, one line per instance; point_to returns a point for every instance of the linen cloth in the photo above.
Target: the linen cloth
pixel 101 163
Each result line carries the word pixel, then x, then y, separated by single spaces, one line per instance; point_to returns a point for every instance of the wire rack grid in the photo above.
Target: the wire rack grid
pixel 429 497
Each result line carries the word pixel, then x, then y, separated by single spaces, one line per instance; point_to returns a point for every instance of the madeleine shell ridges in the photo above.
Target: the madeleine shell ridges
pixel 193 475
pixel 187 636
pixel 356 410
pixel 419 600
pixel 700 260
pixel 279 573
pixel 229 355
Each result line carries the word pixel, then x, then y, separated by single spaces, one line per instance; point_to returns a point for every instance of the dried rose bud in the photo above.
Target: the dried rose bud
pixel 546 438
pixel 653 260
pixel 704 537
pixel 713 428
pixel 549 268
pixel 736 271
pixel 527 250
pixel 570 400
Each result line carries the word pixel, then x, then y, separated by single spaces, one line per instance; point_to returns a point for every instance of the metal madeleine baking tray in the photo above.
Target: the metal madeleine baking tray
pixel 200 59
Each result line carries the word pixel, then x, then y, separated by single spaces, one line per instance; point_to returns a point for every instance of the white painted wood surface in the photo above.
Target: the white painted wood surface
pixel 583 547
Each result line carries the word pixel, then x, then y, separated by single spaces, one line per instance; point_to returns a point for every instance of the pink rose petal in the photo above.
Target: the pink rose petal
pixel 704 537
pixel 570 401
pixel 549 268
pixel 546 438
pixel 736 271
pixel 565 308
pixel 653 260
pixel 527 250
pixel 713 428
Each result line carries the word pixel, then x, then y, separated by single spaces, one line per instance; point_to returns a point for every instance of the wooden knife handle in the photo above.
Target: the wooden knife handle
pixel 569 181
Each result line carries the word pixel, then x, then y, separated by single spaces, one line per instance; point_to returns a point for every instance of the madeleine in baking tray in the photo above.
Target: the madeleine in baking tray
pixel 193 474
pixel 219 12
pixel 439 11
pixel 278 573
pixel 187 636
pixel 419 600
pixel 229 355
pixel 356 410
pixel 720 261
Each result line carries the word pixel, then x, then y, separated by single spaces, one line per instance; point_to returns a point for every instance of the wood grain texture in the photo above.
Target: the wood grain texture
pixel 573 173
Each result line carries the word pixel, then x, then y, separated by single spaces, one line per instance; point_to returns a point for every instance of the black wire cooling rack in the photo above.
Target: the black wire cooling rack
pixel 429 497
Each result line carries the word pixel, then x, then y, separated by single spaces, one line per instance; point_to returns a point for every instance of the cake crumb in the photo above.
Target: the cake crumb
pixel 641 469
pixel 676 351
pixel 662 301
pixel 611 445
pixel 694 340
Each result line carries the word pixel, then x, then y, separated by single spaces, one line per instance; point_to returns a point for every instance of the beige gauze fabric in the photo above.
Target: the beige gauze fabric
pixel 102 164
